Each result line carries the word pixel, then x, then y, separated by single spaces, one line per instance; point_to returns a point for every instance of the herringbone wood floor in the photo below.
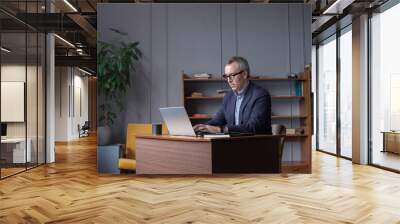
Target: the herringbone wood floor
pixel 70 191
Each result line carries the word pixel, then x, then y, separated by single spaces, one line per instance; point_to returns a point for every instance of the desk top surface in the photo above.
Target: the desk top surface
pixel 201 139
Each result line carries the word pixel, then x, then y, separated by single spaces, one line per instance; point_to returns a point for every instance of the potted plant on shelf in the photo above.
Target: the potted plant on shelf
pixel 115 64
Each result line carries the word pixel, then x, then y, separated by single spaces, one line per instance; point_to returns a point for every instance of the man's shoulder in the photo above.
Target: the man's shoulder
pixel 259 90
pixel 229 95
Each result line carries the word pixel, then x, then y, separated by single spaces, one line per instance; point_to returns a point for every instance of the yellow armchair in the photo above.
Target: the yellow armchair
pixel 129 160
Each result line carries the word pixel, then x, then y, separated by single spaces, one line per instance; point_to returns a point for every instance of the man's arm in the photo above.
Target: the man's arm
pixel 219 118
pixel 216 123
pixel 259 118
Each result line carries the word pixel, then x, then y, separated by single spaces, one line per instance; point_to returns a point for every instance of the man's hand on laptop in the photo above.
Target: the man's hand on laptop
pixel 206 128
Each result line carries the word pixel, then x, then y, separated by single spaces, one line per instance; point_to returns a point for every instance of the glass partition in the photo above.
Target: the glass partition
pixel 346 93
pixel 13 94
pixel 22 66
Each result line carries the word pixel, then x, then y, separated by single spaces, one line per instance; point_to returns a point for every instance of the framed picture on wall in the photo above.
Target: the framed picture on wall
pixel 12 101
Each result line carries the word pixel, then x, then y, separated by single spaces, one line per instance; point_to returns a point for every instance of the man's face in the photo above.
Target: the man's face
pixel 236 82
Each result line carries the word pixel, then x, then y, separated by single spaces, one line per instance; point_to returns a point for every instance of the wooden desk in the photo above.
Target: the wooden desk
pixel 165 154
pixel 14 152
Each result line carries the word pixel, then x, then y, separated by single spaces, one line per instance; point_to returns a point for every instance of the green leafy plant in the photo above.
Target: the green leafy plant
pixel 115 65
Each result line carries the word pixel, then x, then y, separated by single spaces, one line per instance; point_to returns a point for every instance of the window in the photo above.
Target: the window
pixel 385 84
pixel 327 96
pixel 346 93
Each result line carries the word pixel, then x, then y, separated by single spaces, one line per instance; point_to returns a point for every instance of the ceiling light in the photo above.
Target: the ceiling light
pixel 84 71
pixel 70 5
pixel 64 40
pixel 5 50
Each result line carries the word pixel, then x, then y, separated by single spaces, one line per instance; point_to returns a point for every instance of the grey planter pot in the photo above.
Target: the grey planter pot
pixel 104 135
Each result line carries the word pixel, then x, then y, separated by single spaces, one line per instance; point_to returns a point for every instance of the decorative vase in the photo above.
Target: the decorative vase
pixel 103 135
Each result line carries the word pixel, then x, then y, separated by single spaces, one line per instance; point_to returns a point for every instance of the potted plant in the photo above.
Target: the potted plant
pixel 115 63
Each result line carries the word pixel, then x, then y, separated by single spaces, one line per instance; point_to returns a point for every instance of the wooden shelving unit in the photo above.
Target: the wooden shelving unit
pixel 204 97
pixel 296 167
pixel 272 117
pixel 287 97
pixel 302 102
pixel 260 78
pixel 221 97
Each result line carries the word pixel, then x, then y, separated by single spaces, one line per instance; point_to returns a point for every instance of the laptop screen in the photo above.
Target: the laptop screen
pixel 177 121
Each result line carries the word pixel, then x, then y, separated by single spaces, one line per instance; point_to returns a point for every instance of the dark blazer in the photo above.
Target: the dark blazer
pixel 255 111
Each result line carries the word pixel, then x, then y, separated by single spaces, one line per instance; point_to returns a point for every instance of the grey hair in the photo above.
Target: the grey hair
pixel 242 62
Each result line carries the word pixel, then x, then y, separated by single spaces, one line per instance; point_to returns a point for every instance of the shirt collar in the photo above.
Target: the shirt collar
pixel 242 91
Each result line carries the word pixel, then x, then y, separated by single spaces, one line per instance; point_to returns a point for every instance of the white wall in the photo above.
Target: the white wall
pixel 71 102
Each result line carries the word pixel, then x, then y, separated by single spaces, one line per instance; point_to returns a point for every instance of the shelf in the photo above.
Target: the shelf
pixel 260 78
pixel 289 117
pixel 221 97
pixel 295 167
pixel 204 97
pixel 264 78
pixel 272 117
pixel 202 80
pixel 287 97
pixel 296 136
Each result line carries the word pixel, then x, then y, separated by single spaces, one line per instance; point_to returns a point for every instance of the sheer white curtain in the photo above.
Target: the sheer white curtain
pixel 327 96
pixel 346 94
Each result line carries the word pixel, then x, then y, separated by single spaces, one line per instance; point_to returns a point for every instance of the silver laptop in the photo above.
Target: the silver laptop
pixel 177 121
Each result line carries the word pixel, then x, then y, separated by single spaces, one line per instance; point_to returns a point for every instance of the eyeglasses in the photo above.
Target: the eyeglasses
pixel 231 76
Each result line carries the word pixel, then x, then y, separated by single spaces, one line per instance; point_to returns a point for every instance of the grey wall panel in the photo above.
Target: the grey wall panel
pixel 139 29
pixel 296 34
pixel 194 44
pixel 228 33
pixel 307 17
pixel 159 80
pixel 104 22
pixel 136 21
pixel 263 37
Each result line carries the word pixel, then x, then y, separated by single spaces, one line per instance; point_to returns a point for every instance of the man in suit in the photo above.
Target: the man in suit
pixel 245 109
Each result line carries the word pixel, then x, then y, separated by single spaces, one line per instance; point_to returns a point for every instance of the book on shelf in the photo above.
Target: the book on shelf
pixel 198 115
pixel 201 76
pixel 297 88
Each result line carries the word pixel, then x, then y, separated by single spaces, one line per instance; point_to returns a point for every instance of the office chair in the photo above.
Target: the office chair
pixel 127 163
pixel 84 130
